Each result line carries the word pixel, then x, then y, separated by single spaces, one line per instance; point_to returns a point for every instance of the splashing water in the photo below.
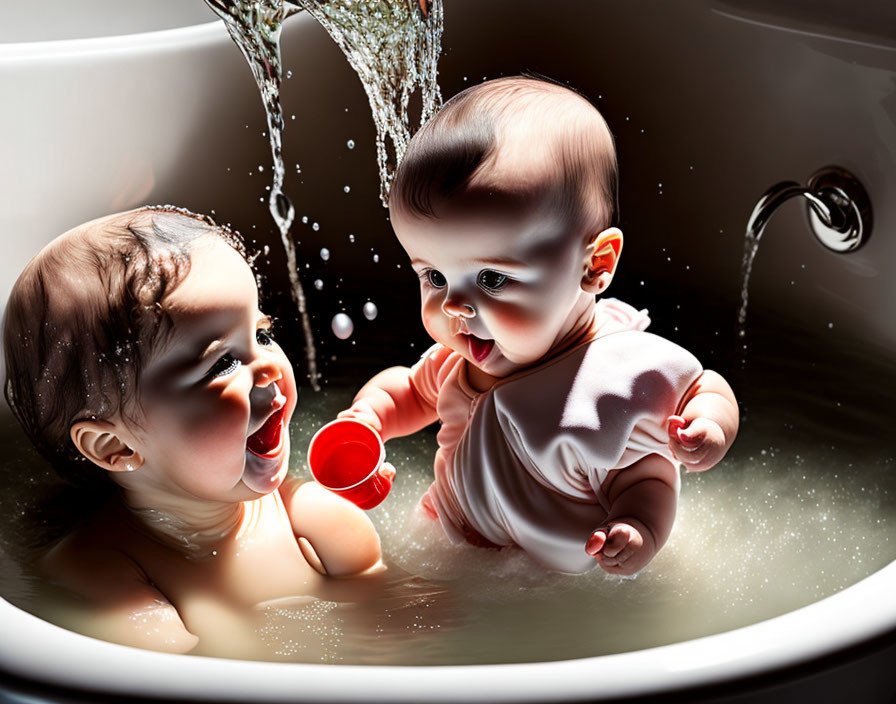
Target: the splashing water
pixel 394 48
pixel 255 26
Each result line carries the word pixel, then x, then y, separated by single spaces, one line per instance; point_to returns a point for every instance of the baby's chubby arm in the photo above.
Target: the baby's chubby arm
pixel 643 499
pixel 391 403
pixel 705 424
pixel 335 536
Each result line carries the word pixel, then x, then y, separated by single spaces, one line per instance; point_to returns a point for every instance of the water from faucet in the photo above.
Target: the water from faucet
pixel 255 27
pixel 393 46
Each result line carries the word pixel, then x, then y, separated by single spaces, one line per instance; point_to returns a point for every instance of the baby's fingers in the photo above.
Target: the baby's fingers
pixel 387 471
pixel 622 541
pixel 596 542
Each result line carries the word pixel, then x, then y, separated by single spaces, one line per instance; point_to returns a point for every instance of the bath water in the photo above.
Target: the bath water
pixel 803 506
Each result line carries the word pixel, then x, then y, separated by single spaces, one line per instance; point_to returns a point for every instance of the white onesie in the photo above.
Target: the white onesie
pixel 522 463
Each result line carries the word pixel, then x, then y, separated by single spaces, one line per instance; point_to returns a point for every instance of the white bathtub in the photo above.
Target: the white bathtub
pixel 103 123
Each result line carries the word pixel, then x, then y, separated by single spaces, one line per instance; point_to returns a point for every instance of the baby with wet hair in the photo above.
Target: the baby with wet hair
pixel 137 355
pixel 563 423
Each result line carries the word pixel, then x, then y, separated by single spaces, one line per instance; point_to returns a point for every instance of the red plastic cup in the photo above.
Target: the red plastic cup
pixel 345 456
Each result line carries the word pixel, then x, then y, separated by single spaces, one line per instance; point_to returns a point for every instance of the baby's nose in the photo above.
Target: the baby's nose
pixel 455 307
pixel 266 373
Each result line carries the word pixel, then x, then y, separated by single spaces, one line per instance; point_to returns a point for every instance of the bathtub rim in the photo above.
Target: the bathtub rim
pixel 14 53
pixel 792 639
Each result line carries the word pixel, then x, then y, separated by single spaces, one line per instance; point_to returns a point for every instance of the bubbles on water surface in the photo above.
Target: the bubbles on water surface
pixel 342 326
pixel 370 310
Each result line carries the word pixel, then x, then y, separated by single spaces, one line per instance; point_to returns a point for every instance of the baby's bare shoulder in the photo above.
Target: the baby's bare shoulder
pixel 94 559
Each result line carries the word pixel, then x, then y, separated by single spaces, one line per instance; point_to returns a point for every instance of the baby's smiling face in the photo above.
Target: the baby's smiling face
pixel 500 278
pixel 216 401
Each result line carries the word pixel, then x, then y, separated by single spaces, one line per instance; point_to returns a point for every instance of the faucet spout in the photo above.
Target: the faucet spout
pixel 837 204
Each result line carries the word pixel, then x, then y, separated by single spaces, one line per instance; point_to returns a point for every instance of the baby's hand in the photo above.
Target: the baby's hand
pixel 362 411
pixel 616 549
pixel 698 444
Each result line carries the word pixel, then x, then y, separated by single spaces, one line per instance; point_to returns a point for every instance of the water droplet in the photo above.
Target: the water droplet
pixel 370 310
pixel 315 227
pixel 351 238
pixel 342 326
pixel 350 144
pixel 376 258
pixel 325 254
pixel 289 74
pixel 304 219
pixel 266 250
pixel 346 189
pixel 318 284
pixel 260 168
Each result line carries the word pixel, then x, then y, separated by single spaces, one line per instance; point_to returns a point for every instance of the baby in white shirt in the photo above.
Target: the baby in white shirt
pixel 563 423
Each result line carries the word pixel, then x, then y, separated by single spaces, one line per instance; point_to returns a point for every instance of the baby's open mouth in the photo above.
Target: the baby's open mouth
pixel 265 442
pixel 480 348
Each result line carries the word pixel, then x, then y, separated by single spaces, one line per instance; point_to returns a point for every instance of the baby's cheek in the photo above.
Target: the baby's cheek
pixel 526 330
pixel 213 424
pixel 434 320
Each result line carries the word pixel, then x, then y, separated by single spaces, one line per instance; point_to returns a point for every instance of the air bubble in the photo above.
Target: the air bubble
pixel 370 310
pixel 342 326
pixel 325 254
pixel 350 144
pixel 318 284
pixel 346 189
pixel 315 227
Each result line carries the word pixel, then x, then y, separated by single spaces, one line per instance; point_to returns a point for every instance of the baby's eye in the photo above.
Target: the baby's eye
pixel 264 337
pixel 492 280
pixel 436 278
pixel 224 366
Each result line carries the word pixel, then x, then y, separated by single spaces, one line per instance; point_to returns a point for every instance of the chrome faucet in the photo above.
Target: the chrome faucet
pixel 837 204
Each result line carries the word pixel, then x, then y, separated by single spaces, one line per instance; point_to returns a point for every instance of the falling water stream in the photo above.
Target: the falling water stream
pixel 393 47
pixel 751 248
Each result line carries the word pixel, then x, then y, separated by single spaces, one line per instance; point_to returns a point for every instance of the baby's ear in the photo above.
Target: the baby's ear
pixel 601 257
pixel 101 443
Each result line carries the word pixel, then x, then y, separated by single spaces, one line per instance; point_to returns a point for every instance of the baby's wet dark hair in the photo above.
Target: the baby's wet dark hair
pixel 84 317
pixel 458 148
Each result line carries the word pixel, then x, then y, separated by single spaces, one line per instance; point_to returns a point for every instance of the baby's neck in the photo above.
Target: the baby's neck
pixel 193 526
pixel 582 326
